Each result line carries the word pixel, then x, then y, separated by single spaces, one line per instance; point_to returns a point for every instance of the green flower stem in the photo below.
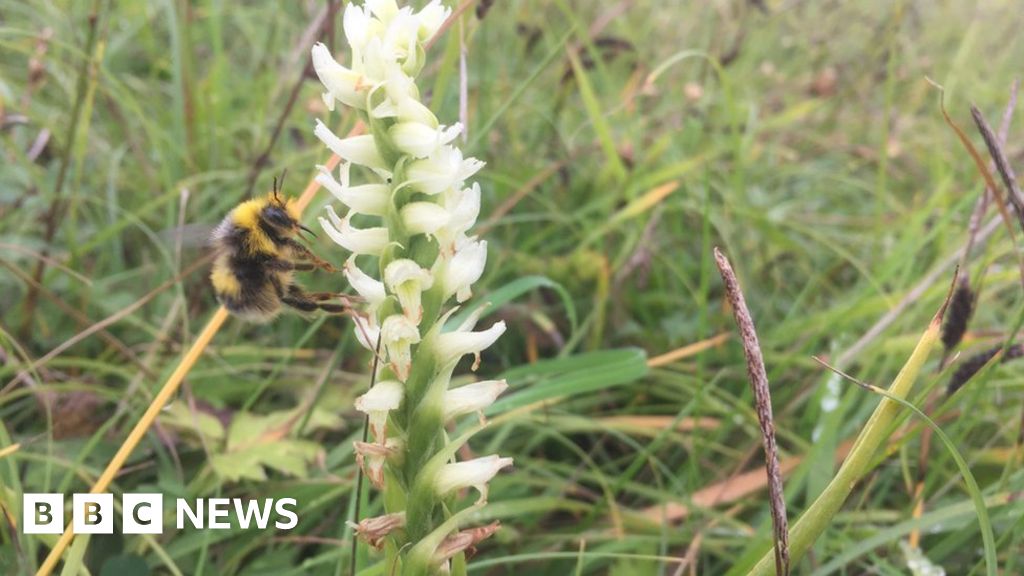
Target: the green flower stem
pixel 419 560
pixel 859 462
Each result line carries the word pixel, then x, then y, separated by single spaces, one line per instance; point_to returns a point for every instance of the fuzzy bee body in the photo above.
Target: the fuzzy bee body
pixel 257 255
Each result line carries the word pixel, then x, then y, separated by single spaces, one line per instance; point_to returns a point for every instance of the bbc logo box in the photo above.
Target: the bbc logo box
pixel 93 513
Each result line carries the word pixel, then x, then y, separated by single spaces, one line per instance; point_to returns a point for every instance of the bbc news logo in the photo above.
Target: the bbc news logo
pixel 144 513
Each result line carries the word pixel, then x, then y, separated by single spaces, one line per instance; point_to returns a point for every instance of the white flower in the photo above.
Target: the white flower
pixel 347 86
pixel 421 140
pixel 450 346
pixel 359 27
pixel 356 240
pixel 376 60
pixel 474 473
pixel 367 332
pixel 359 149
pixel 408 108
pixel 377 402
pixel 369 199
pixel 401 40
pixel 383 9
pixel 431 17
pixel 370 289
pixel 464 206
pixel 407 280
pixel 401 100
pixel 443 169
pixel 424 217
pixel 464 268
pixel 472 397
pixel 398 334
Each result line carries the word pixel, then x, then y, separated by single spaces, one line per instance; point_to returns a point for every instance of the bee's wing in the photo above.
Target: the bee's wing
pixel 188 236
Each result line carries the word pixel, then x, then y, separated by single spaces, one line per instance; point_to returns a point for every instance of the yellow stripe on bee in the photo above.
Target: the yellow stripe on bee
pixel 224 282
pixel 247 217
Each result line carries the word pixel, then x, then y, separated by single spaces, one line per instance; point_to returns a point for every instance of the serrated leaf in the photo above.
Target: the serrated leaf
pixel 182 418
pixel 286 456
pixel 235 466
pixel 247 428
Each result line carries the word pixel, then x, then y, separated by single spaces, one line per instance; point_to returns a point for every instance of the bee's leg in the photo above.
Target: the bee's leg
pixel 280 265
pixel 322 296
pixel 303 253
pixel 301 300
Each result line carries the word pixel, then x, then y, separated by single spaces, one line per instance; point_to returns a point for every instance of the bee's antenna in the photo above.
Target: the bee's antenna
pixel 274 189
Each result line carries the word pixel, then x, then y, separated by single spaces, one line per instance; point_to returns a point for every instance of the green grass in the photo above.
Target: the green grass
pixel 814 155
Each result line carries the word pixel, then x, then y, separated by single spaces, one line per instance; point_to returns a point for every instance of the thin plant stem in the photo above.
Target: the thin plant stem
pixel 57 209
pixel 168 390
pixel 862 456
pixel 981 510
pixel 359 469
pixel 763 403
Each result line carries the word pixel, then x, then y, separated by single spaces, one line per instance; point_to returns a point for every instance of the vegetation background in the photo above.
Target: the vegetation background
pixel 623 140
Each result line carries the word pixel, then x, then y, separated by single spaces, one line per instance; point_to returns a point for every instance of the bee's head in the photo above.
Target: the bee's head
pixel 281 212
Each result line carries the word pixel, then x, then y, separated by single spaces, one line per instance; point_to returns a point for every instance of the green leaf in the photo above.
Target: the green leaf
pixel 257 442
pixel 247 427
pixel 125 565
pixel 582 374
pixel 181 417
pixel 287 456
pixel 513 290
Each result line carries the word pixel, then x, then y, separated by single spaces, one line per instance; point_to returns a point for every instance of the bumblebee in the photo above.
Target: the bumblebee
pixel 257 254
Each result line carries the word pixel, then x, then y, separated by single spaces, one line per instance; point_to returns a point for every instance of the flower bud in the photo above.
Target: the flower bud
pixel 474 473
pixel 356 240
pixel 424 217
pixel 398 334
pixel 407 280
pixel 421 140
